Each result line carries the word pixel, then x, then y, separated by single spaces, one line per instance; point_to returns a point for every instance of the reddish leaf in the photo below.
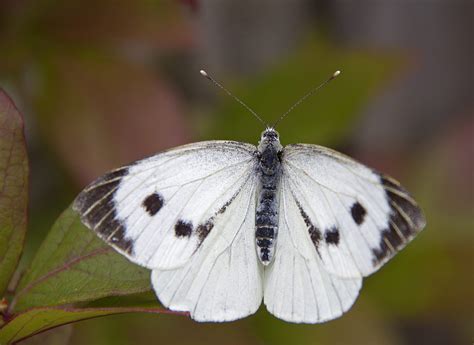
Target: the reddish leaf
pixel 38 320
pixel 13 188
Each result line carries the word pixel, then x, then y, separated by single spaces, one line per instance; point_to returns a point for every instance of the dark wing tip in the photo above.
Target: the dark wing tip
pixel 96 207
pixel 406 221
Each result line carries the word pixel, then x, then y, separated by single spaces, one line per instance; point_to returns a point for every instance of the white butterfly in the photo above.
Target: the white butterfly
pixel 224 224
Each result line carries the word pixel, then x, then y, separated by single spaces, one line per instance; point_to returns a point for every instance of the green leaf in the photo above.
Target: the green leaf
pixel 74 265
pixel 38 320
pixel 13 188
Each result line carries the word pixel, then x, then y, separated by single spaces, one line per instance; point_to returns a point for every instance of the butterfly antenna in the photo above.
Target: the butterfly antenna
pixel 204 74
pixel 310 93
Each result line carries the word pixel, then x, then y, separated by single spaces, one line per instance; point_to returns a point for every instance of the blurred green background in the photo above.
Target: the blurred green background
pixel 103 83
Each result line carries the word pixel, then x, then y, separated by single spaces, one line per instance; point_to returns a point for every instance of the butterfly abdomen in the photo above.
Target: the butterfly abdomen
pixel 266 218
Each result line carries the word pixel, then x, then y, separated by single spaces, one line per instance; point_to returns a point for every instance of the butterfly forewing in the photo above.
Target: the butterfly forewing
pixel 355 218
pixel 159 210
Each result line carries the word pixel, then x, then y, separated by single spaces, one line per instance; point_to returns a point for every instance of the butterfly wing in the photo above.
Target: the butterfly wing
pixel 159 211
pixel 223 281
pixel 356 219
pixel 297 286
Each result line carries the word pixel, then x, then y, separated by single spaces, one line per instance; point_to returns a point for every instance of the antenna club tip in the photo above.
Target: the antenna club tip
pixel 335 74
pixel 203 73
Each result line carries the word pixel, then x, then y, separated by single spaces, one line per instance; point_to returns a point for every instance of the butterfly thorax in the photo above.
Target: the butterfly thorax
pixel 269 173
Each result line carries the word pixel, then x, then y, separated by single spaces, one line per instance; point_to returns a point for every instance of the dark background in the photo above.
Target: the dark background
pixel 103 83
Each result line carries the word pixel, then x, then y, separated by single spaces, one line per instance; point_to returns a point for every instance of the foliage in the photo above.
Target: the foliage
pixel 13 188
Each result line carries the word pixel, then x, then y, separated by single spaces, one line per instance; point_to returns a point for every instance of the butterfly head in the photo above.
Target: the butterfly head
pixel 270 137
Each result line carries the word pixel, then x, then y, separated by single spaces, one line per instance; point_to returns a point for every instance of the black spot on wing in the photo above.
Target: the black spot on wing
pixel 358 213
pixel 224 207
pixel 331 236
pixel 314 232
pixel 96 206
pixel 204 229
pixel 315 236
pixel 183 228
pixel 405 221
pixel 153 203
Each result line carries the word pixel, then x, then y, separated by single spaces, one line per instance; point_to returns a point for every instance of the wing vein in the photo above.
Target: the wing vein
pixel 219 255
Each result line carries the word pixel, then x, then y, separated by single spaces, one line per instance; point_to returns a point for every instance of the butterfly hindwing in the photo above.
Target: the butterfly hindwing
pixel 158 211
pixel 297 286
pixel 223 281
pixel 355 218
